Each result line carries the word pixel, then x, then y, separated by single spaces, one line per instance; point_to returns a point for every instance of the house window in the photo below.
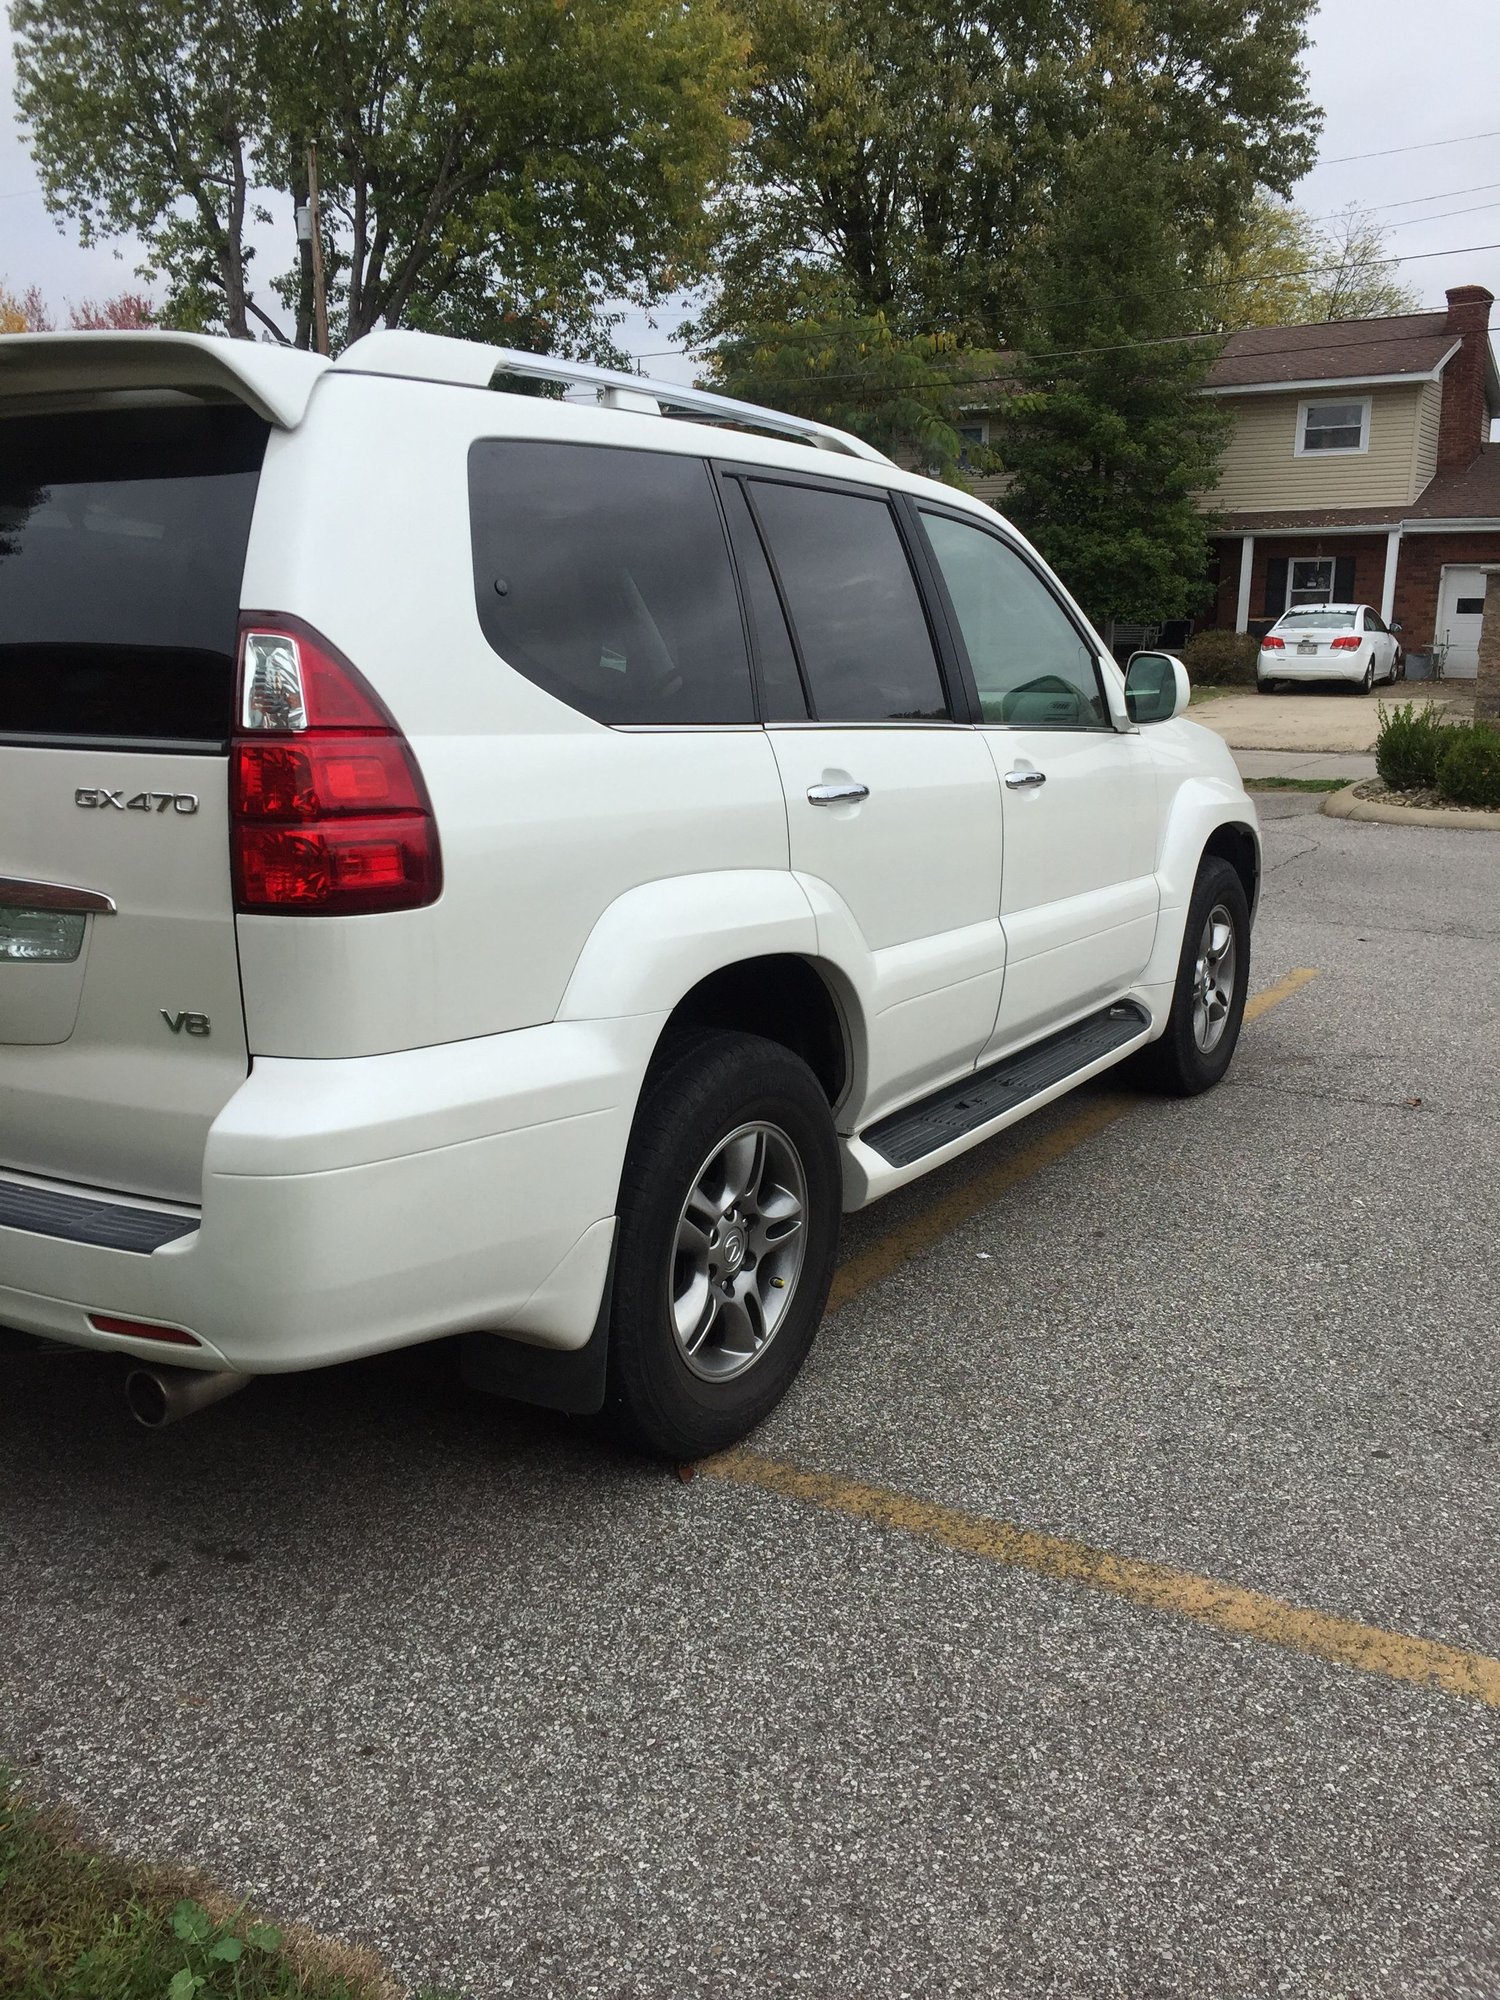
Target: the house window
pixel 1331 428
pixel 972 438
pixel 1310 581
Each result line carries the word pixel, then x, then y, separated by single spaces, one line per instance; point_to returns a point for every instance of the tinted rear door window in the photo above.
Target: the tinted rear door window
pixel 603 575
pixel 122 549
pixel 867 654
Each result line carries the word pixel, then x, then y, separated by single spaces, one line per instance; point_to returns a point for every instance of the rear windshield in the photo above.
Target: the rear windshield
pixel 1317 621
pixel 122 547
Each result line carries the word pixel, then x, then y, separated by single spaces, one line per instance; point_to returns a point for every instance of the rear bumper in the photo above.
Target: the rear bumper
pixel 358 1205
pixel 1290 668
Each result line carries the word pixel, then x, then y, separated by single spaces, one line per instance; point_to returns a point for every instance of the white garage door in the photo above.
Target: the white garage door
pixel 1460 615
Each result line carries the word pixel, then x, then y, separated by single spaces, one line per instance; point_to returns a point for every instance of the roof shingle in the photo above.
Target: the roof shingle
pixel 1333 350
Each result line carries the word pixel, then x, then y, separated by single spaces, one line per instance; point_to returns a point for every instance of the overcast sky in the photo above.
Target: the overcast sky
pixel 1388 76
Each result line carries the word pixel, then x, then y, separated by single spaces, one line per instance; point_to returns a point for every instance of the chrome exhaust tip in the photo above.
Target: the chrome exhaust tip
pixel 157 1397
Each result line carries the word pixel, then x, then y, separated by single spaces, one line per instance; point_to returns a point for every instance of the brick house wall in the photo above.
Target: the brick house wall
pixel 1368 552
pixel 1464 423
pixel 1420 575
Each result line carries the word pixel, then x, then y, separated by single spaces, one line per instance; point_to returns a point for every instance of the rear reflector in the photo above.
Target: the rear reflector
pixel 139 1329
pixel 329 813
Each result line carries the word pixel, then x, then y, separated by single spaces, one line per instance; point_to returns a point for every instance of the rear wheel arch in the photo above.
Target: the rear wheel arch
pixel 783 998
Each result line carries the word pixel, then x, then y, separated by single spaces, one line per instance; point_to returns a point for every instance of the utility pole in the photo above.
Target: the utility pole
pixel 320 293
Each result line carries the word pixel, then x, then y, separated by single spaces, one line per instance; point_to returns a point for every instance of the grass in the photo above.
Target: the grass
pixel 1295 784
pixel 78 1923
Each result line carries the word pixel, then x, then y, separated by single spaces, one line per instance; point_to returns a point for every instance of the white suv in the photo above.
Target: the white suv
pixel 475 863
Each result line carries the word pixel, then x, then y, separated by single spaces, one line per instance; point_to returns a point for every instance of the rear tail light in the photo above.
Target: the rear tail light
pixel 1271 644
pixel 329 814
pixel 1345 643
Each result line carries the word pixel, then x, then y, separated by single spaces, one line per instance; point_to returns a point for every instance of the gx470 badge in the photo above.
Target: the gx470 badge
pixel 97 797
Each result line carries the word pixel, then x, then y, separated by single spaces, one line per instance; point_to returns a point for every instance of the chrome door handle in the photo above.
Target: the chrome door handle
pixel 836 795
pixel 1020 780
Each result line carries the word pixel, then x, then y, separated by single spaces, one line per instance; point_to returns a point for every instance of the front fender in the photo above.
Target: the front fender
pixel 1195 803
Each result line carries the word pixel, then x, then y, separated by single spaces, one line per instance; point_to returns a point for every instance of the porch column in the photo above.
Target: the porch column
pixel 1487 680
pixel 1388 588
pixel 1247 564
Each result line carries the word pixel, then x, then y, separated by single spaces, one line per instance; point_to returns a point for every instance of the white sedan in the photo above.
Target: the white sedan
pixel 1330 642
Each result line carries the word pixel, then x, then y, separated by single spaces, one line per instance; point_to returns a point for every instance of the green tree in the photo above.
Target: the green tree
pixel 898 393
pixel 1279 268
pixel 905 160
pixel 1112 440
pixel 485 164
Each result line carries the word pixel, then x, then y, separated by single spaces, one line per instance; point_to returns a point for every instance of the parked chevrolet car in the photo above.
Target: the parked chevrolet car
pixel 1330 642
pixel 481 864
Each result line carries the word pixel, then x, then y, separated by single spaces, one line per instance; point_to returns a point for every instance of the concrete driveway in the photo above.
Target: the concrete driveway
pixel 1249 720
pixel 1111 1610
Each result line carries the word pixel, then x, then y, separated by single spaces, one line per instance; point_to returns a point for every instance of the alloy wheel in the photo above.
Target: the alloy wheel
pixel 1213 979
pixel 738 1251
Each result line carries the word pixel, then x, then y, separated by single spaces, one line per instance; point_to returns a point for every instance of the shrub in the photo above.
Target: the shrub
pixel 1221 659
pixel 1409 744
pixel 1468 771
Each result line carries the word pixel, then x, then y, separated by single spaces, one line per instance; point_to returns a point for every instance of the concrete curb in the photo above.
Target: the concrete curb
pixel 1344 805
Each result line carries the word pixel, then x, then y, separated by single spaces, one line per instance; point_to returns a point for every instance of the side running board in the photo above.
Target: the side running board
pixel 78 1218
pixel 958 1108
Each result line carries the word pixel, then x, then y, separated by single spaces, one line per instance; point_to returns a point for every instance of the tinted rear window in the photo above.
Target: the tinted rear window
pixel 603 575
pixel 122 547
pixel 1318 621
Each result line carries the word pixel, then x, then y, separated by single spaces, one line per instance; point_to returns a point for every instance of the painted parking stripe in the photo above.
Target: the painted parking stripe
pixel 1153 1586
pixel 1249 1614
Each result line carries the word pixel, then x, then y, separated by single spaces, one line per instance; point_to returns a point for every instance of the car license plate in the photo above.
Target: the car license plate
pixel 1308 646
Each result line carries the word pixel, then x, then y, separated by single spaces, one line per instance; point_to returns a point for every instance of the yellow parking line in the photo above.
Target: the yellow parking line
pixel 868 1267
pixel 1272 996
pixel 1250 1614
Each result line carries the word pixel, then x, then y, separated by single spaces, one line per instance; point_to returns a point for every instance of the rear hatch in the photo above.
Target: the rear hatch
pixel 123 532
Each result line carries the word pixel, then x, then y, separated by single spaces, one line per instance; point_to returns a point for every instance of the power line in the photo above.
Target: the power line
pixel 1408 221
pixel 1413 201
pixel 1423 146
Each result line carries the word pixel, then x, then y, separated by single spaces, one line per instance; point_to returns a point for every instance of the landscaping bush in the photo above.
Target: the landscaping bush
pixel 1221 659
pixel 1410 741
pixel 1468 770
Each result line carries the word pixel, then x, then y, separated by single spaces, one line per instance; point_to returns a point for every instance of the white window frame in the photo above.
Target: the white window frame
pixel 1310 403
pixel 1291 573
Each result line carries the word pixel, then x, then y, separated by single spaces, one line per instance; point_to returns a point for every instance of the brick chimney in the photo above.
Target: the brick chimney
pixel 1461 429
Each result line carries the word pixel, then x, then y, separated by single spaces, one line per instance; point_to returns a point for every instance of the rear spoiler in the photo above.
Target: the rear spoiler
pixel 275 382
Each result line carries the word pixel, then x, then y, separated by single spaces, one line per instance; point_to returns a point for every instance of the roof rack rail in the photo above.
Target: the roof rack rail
pixel 433 357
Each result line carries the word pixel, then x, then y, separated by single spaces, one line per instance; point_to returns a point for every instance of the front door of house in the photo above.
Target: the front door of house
pixel 1460 615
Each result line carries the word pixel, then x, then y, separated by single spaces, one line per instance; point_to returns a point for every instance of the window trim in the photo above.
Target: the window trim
pixel 956 693
pixel 1291 572
pixel 920 506
pixel 1301 448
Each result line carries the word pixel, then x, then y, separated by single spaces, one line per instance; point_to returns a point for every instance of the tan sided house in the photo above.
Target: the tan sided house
pixel 1360 469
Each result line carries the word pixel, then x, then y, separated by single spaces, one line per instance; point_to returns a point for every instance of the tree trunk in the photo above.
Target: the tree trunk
pixel 232 250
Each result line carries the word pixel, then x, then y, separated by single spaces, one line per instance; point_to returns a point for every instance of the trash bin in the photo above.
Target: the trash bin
pixel 1419 666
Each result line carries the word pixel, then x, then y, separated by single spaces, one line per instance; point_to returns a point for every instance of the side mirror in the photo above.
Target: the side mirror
pixel 1395 628
pixel 1156 687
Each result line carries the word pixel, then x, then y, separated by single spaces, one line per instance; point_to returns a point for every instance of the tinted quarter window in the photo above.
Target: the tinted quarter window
pixel 603 575
pixel 122 549
pixel 1031 668
pixel 866 651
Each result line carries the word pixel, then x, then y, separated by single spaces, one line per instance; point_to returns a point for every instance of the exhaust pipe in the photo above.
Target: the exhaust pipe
pixel 160 1396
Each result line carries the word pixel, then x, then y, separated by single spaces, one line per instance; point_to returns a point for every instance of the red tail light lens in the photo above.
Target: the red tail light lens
pixel 1345 643
pixel 1271 644
pixel 329 813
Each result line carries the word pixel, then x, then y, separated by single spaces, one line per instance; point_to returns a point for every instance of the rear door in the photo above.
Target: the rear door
pixel 891 801
pixel 123 533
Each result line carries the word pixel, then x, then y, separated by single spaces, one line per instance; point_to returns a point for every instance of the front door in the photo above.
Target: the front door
pixel 1460 615
pixel 893 811
pixel 1079 897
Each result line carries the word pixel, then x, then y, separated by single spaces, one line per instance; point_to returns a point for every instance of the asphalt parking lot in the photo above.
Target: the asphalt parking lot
pixel 454 1679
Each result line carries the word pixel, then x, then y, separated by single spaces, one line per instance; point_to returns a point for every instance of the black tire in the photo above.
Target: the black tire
pixel 1369 680
pixel 1176 1064
pixel 1265 687
pixel 703 1088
